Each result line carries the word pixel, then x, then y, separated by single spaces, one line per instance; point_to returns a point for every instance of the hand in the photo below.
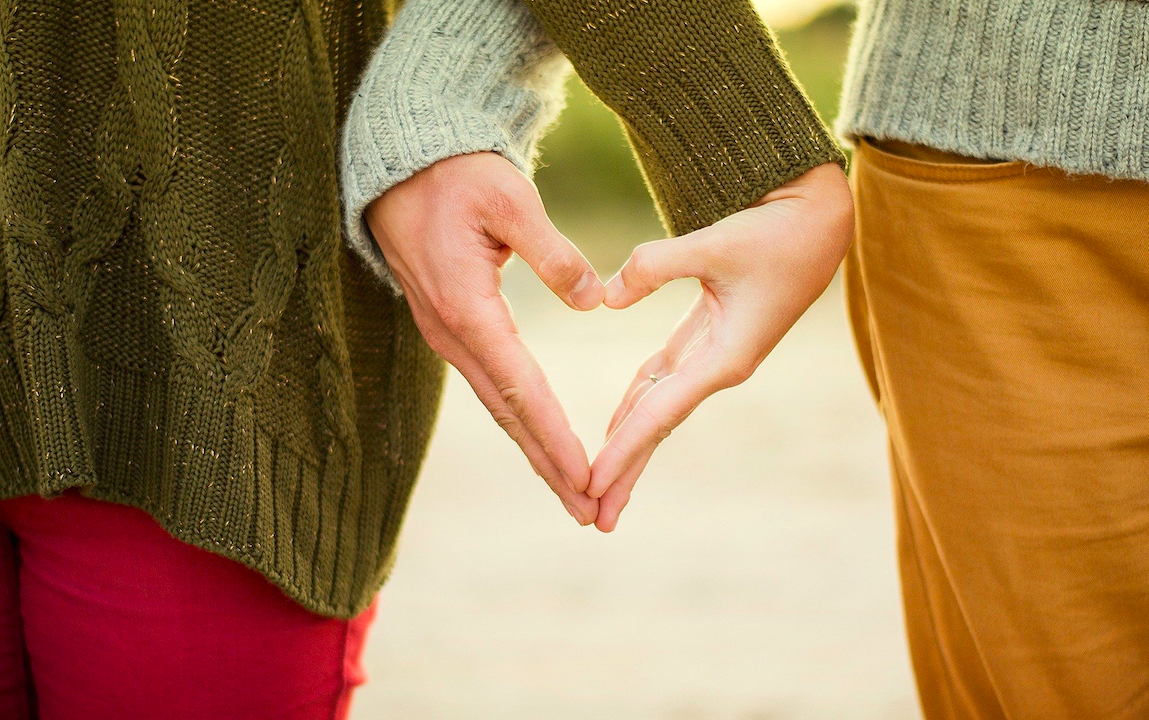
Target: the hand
pixel 446 234
pixel 760 269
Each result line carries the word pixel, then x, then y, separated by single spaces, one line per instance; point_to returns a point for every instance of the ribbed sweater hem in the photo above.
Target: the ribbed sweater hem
pixel 262 560
pixel 284 581
pixel 1057 83
pixel 213 476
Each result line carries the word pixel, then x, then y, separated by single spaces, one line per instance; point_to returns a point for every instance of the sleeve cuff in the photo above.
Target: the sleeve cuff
pixel 710 106
pixel 453 77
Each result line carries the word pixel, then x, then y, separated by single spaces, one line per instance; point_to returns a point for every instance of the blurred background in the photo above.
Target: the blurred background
pixel 752 577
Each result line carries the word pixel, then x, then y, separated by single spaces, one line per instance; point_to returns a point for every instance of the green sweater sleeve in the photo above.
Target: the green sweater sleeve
pixel 711 108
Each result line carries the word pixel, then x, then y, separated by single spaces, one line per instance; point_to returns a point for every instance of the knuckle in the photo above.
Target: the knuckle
pixel 515 399
pixel 437 342
pixel 640 268
pixel 503 198
pixel 509 422
pixel 450 313
pixel 740 371
pixel 451 300
pixel 561 267
pixel 663 427
pixel 503 207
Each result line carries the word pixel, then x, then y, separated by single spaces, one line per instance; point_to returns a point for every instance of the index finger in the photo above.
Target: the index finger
pixel 583 508
pixel 494 342
pixel 661 409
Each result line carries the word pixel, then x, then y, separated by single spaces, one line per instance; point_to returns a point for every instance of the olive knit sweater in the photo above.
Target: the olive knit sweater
pixel 183 327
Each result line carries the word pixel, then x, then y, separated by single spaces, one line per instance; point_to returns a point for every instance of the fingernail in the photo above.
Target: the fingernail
pixel 571 510
pixel 588 292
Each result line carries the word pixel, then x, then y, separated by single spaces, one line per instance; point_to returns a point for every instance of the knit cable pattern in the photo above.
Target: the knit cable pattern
pixel 311 134
pixel 37 307
pixel 149 43
pixel 184 329
pixel 8 118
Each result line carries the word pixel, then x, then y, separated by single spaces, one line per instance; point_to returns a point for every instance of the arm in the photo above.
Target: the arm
pixel 710 148
pixel 715 116
pixel 740 166
pixel 436 157
pixel 760 269
pixel 452 77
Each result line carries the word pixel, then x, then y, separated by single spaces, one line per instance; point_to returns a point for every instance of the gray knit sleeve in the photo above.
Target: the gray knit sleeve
pixel 452 77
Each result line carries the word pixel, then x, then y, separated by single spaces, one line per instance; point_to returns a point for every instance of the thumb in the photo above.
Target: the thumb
pixel 554 258
pixel 654 264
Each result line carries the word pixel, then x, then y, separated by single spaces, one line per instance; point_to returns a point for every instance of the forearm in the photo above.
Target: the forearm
pixel 715 116
pixel 453 77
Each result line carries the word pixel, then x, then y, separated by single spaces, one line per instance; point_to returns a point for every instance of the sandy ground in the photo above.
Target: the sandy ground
pixel 751 578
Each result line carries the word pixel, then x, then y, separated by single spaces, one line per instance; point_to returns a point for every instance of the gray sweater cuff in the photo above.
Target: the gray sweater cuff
pixel 452 77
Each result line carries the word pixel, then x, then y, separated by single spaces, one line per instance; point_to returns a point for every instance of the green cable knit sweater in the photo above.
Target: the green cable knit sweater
pixel 184 327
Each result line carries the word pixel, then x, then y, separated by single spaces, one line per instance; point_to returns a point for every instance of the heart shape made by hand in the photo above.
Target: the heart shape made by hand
pixel 447 232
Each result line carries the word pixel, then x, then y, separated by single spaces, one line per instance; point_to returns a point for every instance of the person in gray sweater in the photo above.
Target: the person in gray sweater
pixel 999 292
pixel 998 288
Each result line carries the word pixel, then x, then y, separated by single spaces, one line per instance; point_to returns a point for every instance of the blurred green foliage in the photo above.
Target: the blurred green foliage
pixel 589 179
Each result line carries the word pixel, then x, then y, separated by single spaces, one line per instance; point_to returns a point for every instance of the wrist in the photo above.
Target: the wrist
pixel 452 78
pixel 825 183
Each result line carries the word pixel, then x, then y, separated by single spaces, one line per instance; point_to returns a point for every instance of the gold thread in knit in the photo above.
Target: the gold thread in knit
pixel 184 330
pixel 38 311
pixel 303 52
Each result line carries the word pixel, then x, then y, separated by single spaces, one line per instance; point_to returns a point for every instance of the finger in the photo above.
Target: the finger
pixel 493 341
pixel 445 341
pixel 636 391
pixel 616 498
pixel 688 333
pixel 600 483
pixel 654 264
pixel 527 230
pixel 660 410
pixel 651 366
pixel 581 507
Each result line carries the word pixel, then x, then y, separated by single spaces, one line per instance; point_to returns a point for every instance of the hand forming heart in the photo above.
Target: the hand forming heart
pixel 760 269
pixel 447 232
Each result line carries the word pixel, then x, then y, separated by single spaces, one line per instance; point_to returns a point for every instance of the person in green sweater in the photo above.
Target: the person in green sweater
pixel 213 401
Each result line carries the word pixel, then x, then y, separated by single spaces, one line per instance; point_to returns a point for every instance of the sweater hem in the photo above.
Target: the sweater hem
pixel 189 535
pixel 181 532
pixel 225 483
pixel 988 149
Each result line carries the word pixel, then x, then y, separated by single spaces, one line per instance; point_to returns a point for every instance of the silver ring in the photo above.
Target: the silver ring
pixel 654 378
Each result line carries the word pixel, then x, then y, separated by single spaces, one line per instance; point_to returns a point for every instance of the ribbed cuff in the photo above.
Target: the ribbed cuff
pixel 711 108
pixel 452 77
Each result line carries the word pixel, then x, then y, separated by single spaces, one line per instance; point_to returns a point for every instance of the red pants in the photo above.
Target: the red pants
pixel 104 616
